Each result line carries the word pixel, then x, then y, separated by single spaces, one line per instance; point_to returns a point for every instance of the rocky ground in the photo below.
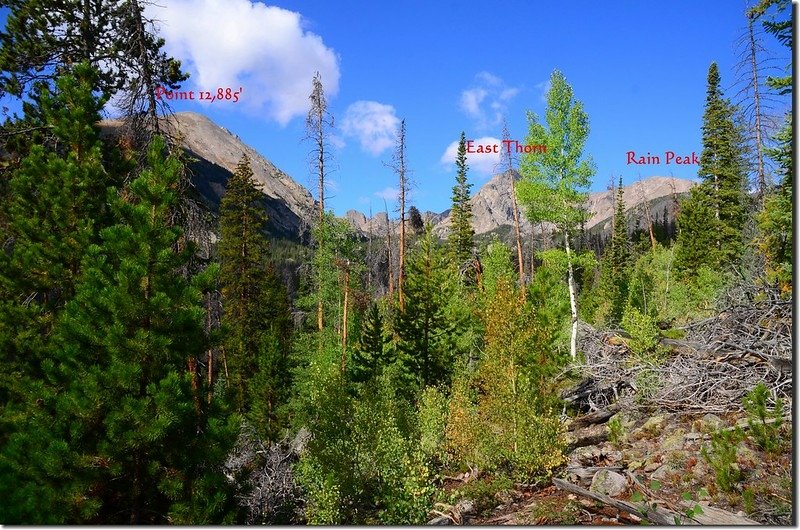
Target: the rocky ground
pixel 654 463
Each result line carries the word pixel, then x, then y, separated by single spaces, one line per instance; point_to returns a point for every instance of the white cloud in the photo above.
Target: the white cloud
pixel 471 101
pixel 487 102
pixel 543 87
pixel 388 194
pixel 483 164
pixel 240 43
pixel 374 124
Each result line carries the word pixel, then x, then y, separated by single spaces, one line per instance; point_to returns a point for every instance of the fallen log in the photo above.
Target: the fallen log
pixel 600 416
pixel 593 435
pixel 662 516
pixel 655 515
pixel 717 516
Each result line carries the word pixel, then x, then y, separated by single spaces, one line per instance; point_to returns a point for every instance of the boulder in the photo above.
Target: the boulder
pixel 608 483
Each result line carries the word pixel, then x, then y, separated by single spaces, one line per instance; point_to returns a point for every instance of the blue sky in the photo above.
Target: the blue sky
pixel 639 67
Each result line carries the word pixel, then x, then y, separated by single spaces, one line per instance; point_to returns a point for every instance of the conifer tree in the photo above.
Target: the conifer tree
pixel 319 122
pixel 715 211
pixel 415 221
pixel 371 354
pixel 616 262
pixel 461 232
pixel 775 221
pixel 424 332
pixel 56 208
pixel 255 309
pixel 129 439
pixel 111 36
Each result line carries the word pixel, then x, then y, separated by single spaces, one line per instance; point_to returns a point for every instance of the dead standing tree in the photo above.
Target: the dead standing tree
pixel 398 165
pixel 319 122
pixel 757 102
pixel 508 167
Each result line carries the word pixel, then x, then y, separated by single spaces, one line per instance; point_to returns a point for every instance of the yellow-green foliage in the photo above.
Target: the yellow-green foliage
pixel 643 331
pixel 432 420
pixel 507 424
pixel 462 434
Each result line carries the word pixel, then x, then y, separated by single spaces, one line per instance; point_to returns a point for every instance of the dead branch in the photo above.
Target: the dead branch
pixel 709 371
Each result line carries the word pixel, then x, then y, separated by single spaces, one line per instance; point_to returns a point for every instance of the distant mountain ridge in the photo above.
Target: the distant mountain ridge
pixel 290 206
pixel 492 206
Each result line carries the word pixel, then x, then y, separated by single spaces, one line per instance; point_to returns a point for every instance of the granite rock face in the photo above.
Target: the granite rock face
pixel 216 152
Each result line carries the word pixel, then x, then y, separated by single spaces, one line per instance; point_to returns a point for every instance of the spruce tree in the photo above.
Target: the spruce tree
pixel 255 309
pixel 371 353
pixel 415 220
pixel 425 334
pixel 716 208
pixel 461 232
pixel 616 262
pixel 129 438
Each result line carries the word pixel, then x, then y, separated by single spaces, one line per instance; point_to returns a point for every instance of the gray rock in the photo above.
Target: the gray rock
pixel 711 422
pixel 441 520
pixel 663 472
pixel 608 483
pixel 465 507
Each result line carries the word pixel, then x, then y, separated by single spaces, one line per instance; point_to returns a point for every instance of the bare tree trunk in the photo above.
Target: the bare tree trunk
pixel 147 72
pixel 762 183
pixel 573 343
pixel 370 259
pixel 390 265
pixel 400 168
pixel 515 210
pixel 648 215
pixel 316 121
pixel 225 365
pixel 520 266
pixel 344 315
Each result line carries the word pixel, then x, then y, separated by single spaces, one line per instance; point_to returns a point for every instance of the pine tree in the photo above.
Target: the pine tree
pixel 129 439
pixel 57 206
pixel 461 238
pixel 553 185
pixel 722 190
pixel 255 309
pixel 616 262
pixel 109 35
pixel 424 332
pixel 371 354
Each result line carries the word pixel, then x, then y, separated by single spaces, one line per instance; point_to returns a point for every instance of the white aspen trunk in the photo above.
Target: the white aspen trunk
pixel 573 342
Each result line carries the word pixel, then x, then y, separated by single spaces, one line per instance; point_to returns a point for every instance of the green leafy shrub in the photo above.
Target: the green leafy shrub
pixel 616 431
pixel 483 492
pixel 643 331
pixel 432 420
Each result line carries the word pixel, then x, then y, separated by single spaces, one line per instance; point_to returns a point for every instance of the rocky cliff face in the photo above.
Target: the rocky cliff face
pixel 216 151
pixel 492 206
pixel 289 205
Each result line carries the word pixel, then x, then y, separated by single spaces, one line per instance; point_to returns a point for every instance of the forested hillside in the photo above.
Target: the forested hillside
pixel 154 374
